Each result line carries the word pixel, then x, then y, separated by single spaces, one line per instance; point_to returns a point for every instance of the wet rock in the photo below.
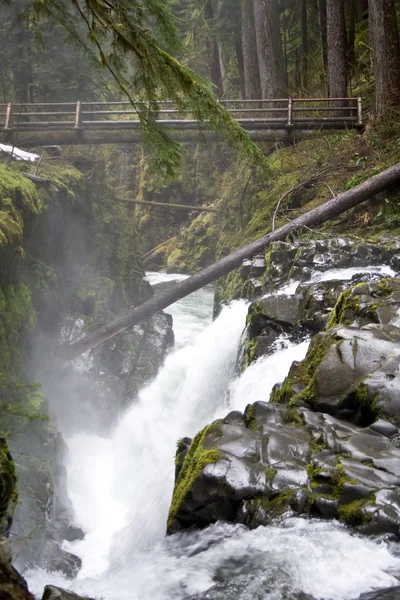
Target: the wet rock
pixel 12 585
pixel 368 302
pixel 280 459
pixel 316 301
pixel 300 260
pixel 352 374
pixel 61 561
pixel 51 592
pixel 386 594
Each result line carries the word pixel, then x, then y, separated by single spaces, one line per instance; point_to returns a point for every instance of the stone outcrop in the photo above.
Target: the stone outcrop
pixel 328 442
pixel 12 585
pixel 51 592
pixel 274 459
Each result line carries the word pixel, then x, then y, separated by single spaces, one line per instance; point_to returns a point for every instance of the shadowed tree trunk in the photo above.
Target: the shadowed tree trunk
pixel 250 58
pixel 386 56
pixel 304 42
pixel 213 52
pixel 324 32
pixel 313 218
pixel 21 64
pixel 337 50
pixel 353 18
pixel 269 48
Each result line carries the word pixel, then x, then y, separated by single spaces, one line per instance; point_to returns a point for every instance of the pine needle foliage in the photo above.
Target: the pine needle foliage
pixel 136 40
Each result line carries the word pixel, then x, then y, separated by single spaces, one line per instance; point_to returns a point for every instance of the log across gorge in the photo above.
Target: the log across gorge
pixel 329 210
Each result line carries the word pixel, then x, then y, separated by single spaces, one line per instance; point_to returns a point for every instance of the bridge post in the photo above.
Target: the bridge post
pixel 9 117
pixel 78 115
pixel 359 111
pixel 290 112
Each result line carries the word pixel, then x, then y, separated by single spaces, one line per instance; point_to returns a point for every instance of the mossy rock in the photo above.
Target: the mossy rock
pixel 197 457
pixel 8 488
pixel 349 373
pixel 367 302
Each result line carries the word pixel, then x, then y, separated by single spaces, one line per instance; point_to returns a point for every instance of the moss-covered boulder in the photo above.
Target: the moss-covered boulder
pixel 12 585
pixel 8 489
pixel 368 302
pixel 349 373
pixel 254 466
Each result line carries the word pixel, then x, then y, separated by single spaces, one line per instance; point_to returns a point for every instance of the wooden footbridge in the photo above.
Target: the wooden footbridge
pixel 69 123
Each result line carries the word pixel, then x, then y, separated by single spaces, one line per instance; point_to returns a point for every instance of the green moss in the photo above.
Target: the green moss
pixel 339 479
pixel 197 457
pixel 249 353
pixel 337 316
pixel 313 471
pixel 385 287
pixel 353 514
pixel 300 383
pixel 8 481
pixel 270 473
pixel 250 417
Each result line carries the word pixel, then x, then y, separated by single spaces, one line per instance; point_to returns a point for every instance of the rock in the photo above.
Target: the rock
pixel 386 594
pixel 349 373
pixel 12 585
pixel 61 561
pixel 51 592
pixel 368 302
pixel 303 258
pixel 316 306
pixel 275 458
pixel 8 489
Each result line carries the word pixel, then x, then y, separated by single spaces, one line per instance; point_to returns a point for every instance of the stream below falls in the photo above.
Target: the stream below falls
pixel 121 485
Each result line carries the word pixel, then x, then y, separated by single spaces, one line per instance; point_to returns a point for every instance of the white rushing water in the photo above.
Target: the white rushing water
pixel 121 486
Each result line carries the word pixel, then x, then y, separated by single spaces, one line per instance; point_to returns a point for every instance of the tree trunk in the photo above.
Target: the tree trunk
pixel 337 50
pixel 353 19
pixel 324 31
pixel 239 59
pixel 250 59
pixel 269 48
pixel 386 56
pixel 313 218
pixel 304 43
pixel 21 64
pixel 213 52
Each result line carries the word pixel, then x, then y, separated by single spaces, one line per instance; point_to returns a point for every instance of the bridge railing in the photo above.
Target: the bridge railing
pixel 288 112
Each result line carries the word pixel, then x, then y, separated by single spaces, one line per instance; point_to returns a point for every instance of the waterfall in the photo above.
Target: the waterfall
pixel 121 486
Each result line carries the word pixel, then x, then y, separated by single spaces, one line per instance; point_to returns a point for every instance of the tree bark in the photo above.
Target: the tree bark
pixel 304 43
pixel 21 64
pixel 337 50
pixel 386 56
pixel 269 48
pixel 324 31
pixel 313 218
pixel 250 59
pixel 353 19
pixel 213 52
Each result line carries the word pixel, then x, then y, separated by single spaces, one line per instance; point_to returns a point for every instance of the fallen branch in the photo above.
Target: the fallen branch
pixel 185 207
pixel 329 210
pixel 35 178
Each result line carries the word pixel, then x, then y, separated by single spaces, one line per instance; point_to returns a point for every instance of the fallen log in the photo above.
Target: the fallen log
pixel 185 207
pixel 330 209
pixel 35 178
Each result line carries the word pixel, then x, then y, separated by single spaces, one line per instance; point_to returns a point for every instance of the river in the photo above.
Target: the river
pixel 121 484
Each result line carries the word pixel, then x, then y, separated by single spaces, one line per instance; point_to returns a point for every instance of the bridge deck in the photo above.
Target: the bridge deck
pixel 118 122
